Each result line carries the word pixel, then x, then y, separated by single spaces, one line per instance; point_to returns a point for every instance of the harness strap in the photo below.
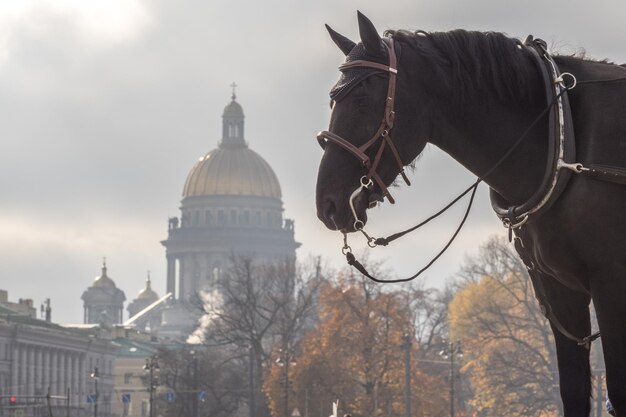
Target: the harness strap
pixel 540 294
pixel 586 341
pixel 561 144
pixel 606 173
pixel 383 132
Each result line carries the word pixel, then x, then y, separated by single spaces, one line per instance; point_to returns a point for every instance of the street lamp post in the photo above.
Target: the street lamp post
pixel 451 350
pixel 406 346
pixel 194 401
pixel 285 359
pixel 96 376
pixel 152 366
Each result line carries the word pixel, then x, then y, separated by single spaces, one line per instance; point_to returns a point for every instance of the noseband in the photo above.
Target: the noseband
pixel 382 134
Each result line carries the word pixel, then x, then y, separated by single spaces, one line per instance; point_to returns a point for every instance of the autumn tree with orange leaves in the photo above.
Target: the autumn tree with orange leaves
pixel 355 355
pixel 509 356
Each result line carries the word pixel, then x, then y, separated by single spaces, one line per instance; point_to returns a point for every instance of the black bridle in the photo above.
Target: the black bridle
pixel 511 216
pixel 561 150
pixel 383 134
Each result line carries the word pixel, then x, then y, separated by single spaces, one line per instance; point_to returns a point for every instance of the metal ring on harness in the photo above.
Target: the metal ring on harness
pixel 367 183
pixel 561 80
pixel 506 222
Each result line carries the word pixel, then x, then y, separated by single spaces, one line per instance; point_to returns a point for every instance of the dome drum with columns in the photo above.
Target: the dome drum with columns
pixel 103 301
pixel 231 204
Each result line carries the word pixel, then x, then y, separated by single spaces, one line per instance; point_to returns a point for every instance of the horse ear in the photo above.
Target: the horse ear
pixel 341 41
pixel 369 36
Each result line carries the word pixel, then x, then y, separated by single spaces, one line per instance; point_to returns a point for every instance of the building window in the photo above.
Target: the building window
pixel 128 378
pixel 145 408
pixel 196 217
pixel 233 217
pixel 126 402
pixel 257 218
pixel 221 217
pixel 208 218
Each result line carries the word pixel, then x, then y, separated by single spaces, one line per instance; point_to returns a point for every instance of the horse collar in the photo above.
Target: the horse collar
pixel 561 144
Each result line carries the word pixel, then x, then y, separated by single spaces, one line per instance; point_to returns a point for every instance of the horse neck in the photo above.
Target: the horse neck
pixel 477 132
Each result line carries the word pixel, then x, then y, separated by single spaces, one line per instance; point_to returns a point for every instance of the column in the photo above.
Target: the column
pixel 45 370
pixel 68 372
pixel 182 277
pixel 52 379
pixel 75 378
pixel 21 382
pixel 171 275
pixel 31 370
pixel 56 378
pixel 62 373
pixel 81 392
pixel 38 370
pixel 15 360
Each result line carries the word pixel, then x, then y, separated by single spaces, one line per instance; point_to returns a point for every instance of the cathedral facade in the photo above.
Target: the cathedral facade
pixel 231 205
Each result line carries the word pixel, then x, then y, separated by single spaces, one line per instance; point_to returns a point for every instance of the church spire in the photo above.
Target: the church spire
pixel 232 123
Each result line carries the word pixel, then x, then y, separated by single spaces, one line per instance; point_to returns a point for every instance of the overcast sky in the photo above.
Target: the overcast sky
pixel 105 105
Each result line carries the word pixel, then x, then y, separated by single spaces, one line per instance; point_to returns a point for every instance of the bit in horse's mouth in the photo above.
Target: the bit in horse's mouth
pixel 373 199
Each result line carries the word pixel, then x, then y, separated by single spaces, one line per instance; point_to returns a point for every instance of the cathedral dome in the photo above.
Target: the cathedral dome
pixel 233 109
pixel 232 171
pixel 103 281
pixel 148 293
pixel 232 168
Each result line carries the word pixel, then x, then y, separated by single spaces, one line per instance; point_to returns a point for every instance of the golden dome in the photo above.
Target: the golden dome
pixel 232 170
pixel 148 293
pixel 103 281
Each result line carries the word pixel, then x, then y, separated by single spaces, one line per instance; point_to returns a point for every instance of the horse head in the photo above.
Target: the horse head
pixel 362 154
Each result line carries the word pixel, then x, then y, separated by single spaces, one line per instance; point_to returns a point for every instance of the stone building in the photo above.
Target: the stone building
pixel 38 357
pixel 231 204
pixel 131 376
pixel 103 301
pixel 151 320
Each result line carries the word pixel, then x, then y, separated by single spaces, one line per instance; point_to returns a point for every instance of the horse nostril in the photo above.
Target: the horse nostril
pixel 328 209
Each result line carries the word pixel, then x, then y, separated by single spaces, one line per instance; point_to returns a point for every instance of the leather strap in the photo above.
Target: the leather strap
pixel 540 294
pixel 561 144
pixel 606 173
pixel 383 131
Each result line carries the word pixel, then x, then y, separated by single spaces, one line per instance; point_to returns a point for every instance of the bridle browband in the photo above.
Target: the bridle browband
pixel 382 134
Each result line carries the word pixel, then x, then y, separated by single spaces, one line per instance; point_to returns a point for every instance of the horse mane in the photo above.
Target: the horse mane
pixel 480 62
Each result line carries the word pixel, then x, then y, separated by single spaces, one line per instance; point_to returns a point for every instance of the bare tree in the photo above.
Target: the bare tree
pixel 254 307
pixel 203 381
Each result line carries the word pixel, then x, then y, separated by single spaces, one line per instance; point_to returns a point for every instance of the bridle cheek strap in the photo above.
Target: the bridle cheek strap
pixel 383 131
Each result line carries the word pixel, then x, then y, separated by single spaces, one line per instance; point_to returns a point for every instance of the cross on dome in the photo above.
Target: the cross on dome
pixel 234 86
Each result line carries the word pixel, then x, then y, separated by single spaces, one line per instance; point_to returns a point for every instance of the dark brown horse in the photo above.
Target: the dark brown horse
pixel 473 95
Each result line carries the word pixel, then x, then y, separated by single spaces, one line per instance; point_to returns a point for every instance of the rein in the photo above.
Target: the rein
pixel 555 86
pixel 561 148
pixel 373 242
